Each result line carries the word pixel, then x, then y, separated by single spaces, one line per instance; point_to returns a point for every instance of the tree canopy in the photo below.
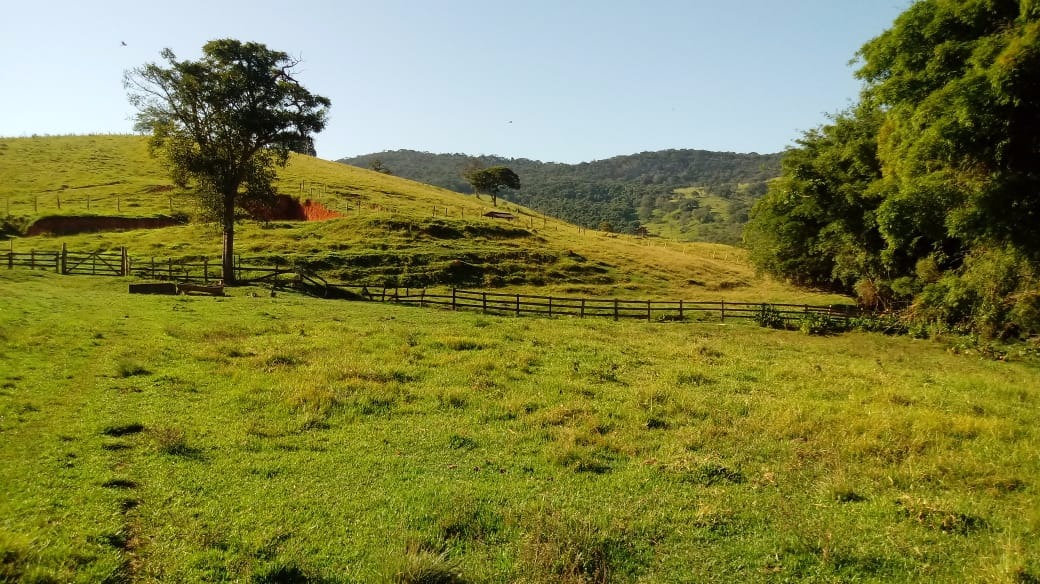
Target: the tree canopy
pixel 930 180
pixel 223 123
pixel 491 181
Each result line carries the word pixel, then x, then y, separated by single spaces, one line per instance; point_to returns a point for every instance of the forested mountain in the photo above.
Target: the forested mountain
pixel 927 192
pixel 620 193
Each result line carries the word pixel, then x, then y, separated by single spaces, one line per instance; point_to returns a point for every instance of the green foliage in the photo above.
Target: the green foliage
pixel 625 191
pixel 225 122
pixel 925 192
pixel 491 181
pixel 813 323
pixel 769 317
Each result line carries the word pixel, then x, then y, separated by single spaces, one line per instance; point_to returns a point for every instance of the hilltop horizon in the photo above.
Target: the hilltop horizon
pixel 543 160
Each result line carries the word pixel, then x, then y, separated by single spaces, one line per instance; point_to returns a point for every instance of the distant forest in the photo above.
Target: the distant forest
pixel 617 194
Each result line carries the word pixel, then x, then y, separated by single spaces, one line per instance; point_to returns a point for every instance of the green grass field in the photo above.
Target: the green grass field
pixel 290 439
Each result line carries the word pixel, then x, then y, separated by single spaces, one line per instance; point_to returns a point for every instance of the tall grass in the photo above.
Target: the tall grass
pixel 291 437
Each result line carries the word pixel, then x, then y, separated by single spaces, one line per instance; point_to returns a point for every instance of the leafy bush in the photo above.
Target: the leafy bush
pixel 814 323
pixel 770 317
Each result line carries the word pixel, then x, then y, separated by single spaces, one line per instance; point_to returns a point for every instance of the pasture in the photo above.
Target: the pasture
pixel 393 231
pixel 292 439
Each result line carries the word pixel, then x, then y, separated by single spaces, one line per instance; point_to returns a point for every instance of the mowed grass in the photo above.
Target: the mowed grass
pixel 289 439
pixel 393 231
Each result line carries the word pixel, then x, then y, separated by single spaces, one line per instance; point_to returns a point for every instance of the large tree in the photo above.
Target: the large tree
pixel 927 191
pixel 492 180
pixel 223 124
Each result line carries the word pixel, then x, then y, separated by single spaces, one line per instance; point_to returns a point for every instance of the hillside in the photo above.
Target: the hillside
pixel 393 231
pixel 623 192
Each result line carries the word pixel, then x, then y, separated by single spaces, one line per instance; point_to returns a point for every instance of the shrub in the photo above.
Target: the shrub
pixel 769 317
pixel 814 323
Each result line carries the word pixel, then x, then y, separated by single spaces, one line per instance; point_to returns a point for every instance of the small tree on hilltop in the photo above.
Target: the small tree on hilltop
pixel 225 122
pixel 492 180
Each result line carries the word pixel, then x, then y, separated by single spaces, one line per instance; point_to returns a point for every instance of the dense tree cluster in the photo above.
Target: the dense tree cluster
pixel 620 192
pixel 926 193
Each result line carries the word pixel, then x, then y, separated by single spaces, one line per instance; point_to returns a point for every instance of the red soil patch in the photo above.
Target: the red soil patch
pixel 72 224
pixel 288 208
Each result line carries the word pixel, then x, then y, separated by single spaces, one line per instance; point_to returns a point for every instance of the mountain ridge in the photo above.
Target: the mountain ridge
pixel 623 193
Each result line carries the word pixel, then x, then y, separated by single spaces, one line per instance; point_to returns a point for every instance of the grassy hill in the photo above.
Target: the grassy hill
pixel 393 231
pixel 291 439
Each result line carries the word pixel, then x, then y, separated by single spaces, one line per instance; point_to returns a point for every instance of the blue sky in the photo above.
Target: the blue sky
pixel 564 81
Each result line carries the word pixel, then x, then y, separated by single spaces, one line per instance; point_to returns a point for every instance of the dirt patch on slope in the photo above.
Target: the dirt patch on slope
pixel 71 225
pixel 288 208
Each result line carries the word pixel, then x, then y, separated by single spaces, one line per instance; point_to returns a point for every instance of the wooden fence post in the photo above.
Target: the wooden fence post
pixel 550 306
pixel 32 259
pixel 680 310
pixel 518 305
pixel 64 259
pixel 483 297
pixel 453 299
pixel 124 263
pixel 582 308
pixel 205 270
pixel 723 304
pixel 422 299
pixel 647 311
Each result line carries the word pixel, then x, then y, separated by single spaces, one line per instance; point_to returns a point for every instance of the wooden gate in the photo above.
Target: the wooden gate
pixel 98 263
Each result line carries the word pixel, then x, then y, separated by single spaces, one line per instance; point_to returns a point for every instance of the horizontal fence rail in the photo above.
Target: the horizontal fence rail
pixel 616 308
pixel 203 271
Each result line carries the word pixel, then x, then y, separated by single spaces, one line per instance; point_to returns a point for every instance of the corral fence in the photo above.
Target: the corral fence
pixel 203 271
pixel 616 308
pixel 98 263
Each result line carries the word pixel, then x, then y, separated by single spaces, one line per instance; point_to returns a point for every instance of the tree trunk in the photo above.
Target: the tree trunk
pixel 228 255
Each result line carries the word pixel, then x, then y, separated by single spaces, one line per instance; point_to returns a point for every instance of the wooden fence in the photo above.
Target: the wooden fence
pixel 616 308
pixel 204 271
pixel 97 263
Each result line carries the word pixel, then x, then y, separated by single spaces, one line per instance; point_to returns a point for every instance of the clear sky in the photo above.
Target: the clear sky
pixel 552 80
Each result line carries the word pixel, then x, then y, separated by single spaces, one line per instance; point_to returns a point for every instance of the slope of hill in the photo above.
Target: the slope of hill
pixel 620 193
pixel 393 231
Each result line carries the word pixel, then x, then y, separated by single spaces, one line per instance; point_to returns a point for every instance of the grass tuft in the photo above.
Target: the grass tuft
pixel 117 430
pixel 130 368
pixel 420 565
pixel 173 441
pixel 561 548
pixel 935 516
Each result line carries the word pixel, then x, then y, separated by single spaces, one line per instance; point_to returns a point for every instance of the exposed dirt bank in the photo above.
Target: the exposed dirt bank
pixel 286 208
pixel 70 225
